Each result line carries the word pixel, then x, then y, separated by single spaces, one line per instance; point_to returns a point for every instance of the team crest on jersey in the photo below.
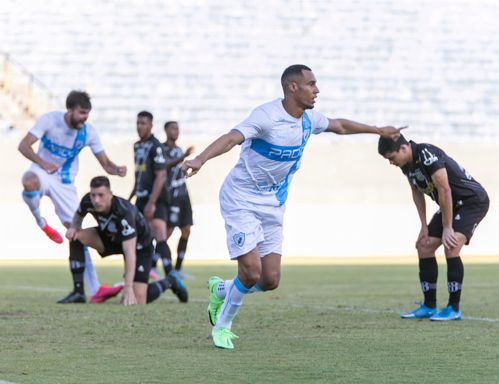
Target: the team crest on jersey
pixel 306 134
pixel 127 229
pixel 159 158
pixel 429 158
pixel 239 239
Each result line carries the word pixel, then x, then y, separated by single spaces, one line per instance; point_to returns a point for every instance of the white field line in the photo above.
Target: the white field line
pixel 361 310
pixel 354 310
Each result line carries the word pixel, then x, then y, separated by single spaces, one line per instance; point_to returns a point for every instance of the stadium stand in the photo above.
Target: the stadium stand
pixel 208 63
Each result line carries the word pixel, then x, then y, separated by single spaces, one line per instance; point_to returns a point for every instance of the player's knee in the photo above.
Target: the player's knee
pixel 30 182
pixel 271 282
pixel 250 276
pixel 186 231
pixel 424 249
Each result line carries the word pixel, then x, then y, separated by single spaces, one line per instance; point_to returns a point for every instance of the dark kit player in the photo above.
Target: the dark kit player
pixel 179 208
pixel 121 229
pixel 463 204
pixel 149 188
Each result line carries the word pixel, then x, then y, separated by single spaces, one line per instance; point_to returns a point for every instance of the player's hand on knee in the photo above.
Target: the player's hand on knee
pixel 449 238
pixel 72 234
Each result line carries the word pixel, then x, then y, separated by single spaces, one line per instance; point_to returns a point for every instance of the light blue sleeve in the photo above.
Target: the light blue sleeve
pixel 253 125
pixel 319 122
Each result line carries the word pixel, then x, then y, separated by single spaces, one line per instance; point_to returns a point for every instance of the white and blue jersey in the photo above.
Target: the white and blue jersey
pixel 271 153
pixel 61 145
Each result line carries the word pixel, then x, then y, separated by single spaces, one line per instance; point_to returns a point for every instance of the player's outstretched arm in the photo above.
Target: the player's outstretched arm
pixel 221 145
pixel 109 166
pixel 348 127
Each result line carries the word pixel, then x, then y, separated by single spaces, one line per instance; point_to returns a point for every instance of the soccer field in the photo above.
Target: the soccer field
pixel 325 324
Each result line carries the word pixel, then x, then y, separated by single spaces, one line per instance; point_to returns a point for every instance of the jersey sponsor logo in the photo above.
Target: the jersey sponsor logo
pixel 429 158
pixel 140 168
pixel 127 229
pixel 239 239
pixel 107 223
pixel 277 152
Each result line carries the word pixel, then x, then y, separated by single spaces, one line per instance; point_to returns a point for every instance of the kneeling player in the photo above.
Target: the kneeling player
pixel 121 229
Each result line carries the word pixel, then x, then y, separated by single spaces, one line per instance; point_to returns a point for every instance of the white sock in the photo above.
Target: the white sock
pixel 224 286
pixel 32 199
pixel 91 281
pixel 233 300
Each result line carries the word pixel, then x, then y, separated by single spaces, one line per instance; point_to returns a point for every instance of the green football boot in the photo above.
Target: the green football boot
pixel 222 338
pixel 215 301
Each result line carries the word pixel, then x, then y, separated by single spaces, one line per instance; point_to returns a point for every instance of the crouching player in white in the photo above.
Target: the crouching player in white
pixel 253 196
pixel 62 136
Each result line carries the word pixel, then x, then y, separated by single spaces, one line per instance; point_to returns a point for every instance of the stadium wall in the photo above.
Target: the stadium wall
pixel 345 201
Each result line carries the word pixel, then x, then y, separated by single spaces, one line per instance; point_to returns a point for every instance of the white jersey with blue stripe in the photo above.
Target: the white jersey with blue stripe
pixel 271 152
pixel 61 145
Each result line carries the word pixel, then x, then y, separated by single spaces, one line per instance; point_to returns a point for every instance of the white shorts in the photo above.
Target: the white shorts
pixel 250 226
pixel 63 196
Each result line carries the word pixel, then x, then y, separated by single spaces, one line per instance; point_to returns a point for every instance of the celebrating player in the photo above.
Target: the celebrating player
pixel 463 204
pixel 253 196
pixel 62 136
pixel 121 229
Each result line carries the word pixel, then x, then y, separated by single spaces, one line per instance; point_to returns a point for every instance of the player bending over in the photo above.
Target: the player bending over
pixel 463 204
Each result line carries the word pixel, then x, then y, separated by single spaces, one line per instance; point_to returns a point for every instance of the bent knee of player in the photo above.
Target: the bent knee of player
pixel 270 285
pixel 140 291
pixel 185 231
pixel 426 248
pixel 30 182
pixel 250 276
pixel 270 282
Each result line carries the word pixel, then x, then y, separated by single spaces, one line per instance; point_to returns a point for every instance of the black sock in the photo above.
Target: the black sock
pixel 154 290
pixel 181 248
pixel 455 275
pixel 428 274
pixel 163 250
pixel 77 265
pixel 155 258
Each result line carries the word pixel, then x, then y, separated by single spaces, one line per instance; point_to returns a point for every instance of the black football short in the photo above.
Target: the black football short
pixel 143 254
pixel 161 208
pixel 179 213
pixel 467 215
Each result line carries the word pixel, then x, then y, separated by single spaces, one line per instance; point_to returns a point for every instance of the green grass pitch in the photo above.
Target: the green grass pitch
pixel 325 324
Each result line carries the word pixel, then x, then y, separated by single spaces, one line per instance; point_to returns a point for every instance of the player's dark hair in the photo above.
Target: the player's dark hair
pixel 291 73
pixel 100 181
pixel 387 145
pixel 168 123
pixel 78 99
pixel 145 114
